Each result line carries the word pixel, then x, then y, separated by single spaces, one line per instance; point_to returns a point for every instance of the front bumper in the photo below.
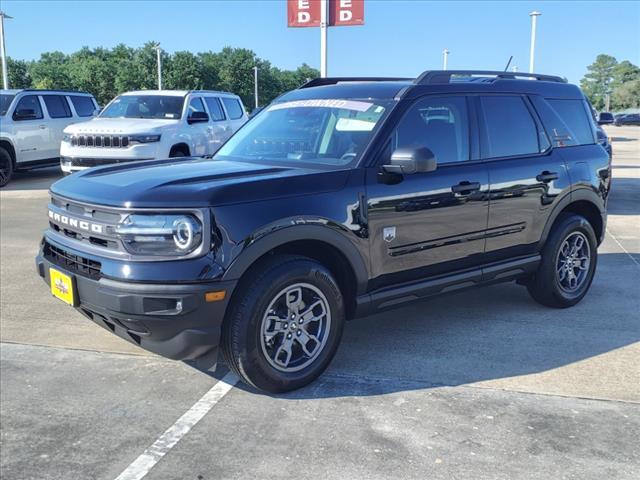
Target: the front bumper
pixel 74 164
pixel 171 320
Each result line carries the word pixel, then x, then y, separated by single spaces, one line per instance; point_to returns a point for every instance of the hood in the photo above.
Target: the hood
pixel 193 183
pixel 119 125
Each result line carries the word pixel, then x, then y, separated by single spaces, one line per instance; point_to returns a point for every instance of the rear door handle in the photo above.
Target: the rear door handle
pixel 42 127
pixel 466 187
pixel 546 176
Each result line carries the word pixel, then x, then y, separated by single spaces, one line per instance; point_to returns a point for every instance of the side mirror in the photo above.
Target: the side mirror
pixel 410 160
pixel 198 117
pixel 25 114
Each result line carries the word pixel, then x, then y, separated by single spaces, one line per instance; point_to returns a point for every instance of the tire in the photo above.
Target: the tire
pixel 6 167
pixel 259 325
pixel 177 153
pixel 553 285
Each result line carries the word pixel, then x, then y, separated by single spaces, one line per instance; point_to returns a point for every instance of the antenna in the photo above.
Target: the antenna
pixel 508 63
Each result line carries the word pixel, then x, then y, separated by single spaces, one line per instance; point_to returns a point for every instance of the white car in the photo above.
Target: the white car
pixel 153 124
pixel 32 124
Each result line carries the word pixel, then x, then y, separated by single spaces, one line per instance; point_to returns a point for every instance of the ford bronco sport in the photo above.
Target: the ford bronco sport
pixel 342 198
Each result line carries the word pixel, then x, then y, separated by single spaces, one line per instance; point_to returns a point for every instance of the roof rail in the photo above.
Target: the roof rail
pixel 317 82
pixel 45 90
pixel 431 77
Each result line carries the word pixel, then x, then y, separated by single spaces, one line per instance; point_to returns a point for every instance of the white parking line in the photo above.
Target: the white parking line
pixel 623 249
pixel 152 455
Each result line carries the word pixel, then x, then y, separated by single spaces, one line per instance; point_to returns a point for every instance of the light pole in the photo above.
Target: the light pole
pixel 445 58
pixel 159 57
pixel 323 38
pixel 3 55
pixel 534 16
pixel 255 84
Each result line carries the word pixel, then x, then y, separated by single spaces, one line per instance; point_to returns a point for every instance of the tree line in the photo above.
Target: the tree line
pixel 619 81
pixel 108 72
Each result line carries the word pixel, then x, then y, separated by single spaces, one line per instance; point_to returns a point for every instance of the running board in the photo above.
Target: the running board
pixel 388 297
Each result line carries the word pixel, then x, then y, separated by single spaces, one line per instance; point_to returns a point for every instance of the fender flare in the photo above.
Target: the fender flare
pixel 291 233
pixel 580 194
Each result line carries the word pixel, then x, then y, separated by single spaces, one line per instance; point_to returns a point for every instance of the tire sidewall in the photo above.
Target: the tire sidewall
pixel 262 373
pixel 5 157
pixel 572 224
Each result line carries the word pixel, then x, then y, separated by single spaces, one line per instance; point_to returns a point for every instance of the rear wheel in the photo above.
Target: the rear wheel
pixel 568 263
pixel 6 167
pixel 285 329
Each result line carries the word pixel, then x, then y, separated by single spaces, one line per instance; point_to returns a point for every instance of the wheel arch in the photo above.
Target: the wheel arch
pixel 583 202
pixel 180 146
pixel 321 243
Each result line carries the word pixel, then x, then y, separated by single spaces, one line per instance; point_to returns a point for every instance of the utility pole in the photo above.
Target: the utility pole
pixel 534 16
pixel 255 84
pixel 445 58
pixel 159 58
pixel 3 54
pixel 323 37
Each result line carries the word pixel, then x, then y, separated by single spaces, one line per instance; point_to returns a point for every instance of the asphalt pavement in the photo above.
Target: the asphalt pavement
pixel 480 384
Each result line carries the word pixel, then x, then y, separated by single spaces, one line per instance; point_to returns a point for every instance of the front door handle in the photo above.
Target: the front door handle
pixel 466 187
pixel 42 127
pixel 547 177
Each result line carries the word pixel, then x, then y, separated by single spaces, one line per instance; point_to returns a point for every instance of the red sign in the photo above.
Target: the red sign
pixel 303 13
pixel 346 12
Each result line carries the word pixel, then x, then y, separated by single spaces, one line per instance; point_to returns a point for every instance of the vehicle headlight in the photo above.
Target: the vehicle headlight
pixel 171 235
pixel 66 137
pixel 145 138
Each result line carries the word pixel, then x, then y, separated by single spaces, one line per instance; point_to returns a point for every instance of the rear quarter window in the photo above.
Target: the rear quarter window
pixel 84 105
pixel 233 107
pixel 574 114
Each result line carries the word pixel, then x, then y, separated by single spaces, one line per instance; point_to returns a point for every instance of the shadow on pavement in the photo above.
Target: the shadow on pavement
pixel 35 179
pixel 482 334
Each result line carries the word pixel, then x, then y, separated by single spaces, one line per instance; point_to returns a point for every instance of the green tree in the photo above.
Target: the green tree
pixel 596 83
pixel 183 72
pixel 18 71
pixel 51 71
pixel 627 95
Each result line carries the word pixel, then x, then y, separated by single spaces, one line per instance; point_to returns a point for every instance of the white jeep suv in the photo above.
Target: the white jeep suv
pixel 31 125
pixel 153 124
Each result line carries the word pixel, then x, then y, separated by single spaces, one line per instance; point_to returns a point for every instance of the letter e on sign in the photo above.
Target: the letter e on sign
pixel 346 12
pixel 303 13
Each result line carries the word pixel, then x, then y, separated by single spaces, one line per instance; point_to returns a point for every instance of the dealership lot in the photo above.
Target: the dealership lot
pixel 481 384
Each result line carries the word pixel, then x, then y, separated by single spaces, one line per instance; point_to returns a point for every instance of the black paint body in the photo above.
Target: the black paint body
pixel 444 239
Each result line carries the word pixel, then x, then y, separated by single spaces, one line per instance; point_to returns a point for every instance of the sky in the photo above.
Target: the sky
pixel 399 38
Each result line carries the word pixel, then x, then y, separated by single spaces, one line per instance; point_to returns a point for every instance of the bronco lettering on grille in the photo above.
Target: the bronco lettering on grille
pixel 76 223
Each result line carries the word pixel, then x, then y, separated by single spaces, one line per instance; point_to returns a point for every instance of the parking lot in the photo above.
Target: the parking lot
pixel 480 384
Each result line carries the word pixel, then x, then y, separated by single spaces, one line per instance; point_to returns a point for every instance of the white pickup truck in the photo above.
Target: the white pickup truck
pixel 32 124
pixel 153 124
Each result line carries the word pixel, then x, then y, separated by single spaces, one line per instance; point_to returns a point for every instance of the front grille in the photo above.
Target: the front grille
pixel 115 141
pixel 72 263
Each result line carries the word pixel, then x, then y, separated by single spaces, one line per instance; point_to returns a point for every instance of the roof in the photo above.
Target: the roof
pixel 41 90
pixel 438 81
pixel 176 93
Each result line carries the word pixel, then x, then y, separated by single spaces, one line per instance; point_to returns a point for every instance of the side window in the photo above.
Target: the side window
pixel 28 108
pixel 195 105
pixel 234 109
pixel 84 105
pixel 57 106
pixel 510 128
pixel 575 115
pixel 438 123
pixel 215 109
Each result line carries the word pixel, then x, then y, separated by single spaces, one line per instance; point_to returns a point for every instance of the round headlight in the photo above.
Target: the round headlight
pixel 183 233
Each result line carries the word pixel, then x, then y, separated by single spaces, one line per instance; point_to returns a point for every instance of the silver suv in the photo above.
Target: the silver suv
pixel 32 124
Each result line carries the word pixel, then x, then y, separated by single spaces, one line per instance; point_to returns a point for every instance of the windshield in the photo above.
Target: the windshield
pixel 330 132
pixel 144 106
pixel 5 101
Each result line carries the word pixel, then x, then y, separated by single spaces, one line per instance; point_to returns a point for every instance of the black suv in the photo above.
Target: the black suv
pixel 342 198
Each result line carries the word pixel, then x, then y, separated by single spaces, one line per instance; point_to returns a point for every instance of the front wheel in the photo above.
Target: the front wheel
pixel 6 167
pixel 285 328
pixel 568 263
